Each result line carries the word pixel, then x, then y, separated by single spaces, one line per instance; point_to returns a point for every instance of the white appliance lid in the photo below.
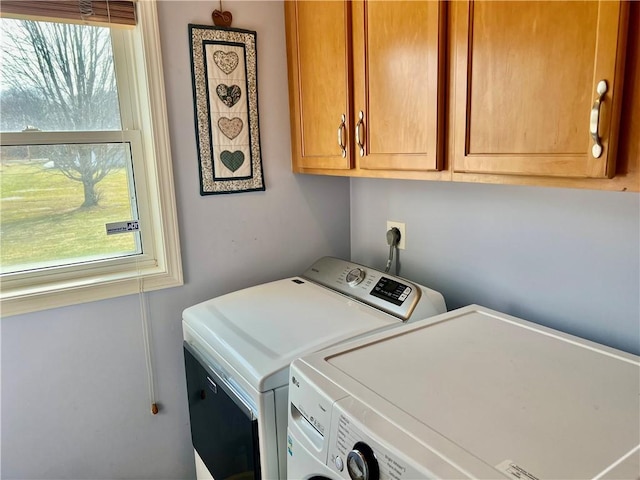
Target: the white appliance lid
pixel 261 329
pixel 529 401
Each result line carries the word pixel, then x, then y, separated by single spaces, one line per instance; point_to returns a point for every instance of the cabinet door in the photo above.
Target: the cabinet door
pixel 397 54
pixel 319 59
pixel 525 80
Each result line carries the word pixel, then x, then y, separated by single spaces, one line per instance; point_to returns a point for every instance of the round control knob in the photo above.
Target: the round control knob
pixel 355 276
pixel 362 463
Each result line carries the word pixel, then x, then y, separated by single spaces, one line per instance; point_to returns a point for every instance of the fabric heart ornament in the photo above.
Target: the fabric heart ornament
pixel 228 94
pixel 221 19
pixel 226 61
pixel 231 127
pixel 232 160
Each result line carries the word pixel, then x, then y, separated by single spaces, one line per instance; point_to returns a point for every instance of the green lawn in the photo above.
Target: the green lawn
pixel 41 219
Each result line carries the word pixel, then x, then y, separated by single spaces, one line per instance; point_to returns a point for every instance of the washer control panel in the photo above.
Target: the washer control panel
pixel 363 457
pixel 394 295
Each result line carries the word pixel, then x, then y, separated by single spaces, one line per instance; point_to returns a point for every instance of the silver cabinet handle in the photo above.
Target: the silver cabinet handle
pixel 594 122
pixel 342 128
pixel 360 138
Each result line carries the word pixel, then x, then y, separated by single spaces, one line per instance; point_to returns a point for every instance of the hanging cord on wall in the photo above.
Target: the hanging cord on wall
pixel 393 239
pixel 146 337
pixel 142 298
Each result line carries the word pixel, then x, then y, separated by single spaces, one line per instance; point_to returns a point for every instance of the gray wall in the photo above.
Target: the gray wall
pixel 568 259
pixel 74 383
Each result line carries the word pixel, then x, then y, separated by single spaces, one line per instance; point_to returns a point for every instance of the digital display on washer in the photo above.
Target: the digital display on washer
pixel 391 290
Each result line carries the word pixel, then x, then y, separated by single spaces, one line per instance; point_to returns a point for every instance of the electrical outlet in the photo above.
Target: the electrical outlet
pixel 403 232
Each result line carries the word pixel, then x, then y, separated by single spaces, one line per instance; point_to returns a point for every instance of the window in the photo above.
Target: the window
pixel 86 190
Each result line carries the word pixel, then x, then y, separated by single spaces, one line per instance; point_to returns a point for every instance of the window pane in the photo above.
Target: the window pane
pixel 55 202
pixel 56 77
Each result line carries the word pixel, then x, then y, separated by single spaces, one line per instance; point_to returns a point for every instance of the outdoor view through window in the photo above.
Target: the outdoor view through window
pixel 67 172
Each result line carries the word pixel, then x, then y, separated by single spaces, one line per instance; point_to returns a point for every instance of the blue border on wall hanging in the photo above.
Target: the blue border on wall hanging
pixel 225 97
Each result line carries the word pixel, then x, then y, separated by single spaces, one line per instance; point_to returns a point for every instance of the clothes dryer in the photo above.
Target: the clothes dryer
pixel 238 348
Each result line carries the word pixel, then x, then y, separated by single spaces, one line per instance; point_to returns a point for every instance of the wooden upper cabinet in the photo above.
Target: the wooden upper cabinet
pixel 318 47
pixel 379 60
pixel 398 107
pixel 525 80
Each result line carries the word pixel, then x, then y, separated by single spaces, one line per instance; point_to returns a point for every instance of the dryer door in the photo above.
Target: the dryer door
pixel 223 430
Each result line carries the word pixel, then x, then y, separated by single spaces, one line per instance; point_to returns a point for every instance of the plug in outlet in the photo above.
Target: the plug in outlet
pixel 403 232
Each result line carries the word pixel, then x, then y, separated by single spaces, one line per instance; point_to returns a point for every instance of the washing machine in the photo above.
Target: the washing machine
pixel 473 393
pixel 238 348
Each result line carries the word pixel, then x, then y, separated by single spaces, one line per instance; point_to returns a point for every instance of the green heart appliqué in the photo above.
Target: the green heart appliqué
pixel 232 160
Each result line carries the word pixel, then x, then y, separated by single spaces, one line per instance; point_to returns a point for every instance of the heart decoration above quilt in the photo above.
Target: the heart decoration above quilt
pixel 232 160
pixel 228 94
pixel 221 19
pixel 231 127
pixel 227 62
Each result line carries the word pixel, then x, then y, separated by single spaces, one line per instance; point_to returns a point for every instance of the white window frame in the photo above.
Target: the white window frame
pixel 138 64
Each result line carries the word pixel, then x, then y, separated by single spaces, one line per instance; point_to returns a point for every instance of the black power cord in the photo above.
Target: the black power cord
pixel 393 239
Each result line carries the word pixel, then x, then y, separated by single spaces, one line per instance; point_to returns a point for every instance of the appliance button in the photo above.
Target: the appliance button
pixel 339 463
pixel 407 290
pixel 355 276
pixel 362 463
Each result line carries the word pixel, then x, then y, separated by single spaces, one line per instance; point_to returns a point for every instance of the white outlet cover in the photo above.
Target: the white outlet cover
pixel 403 232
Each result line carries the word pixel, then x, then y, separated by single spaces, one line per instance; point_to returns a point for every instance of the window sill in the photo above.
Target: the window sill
pixel 25 300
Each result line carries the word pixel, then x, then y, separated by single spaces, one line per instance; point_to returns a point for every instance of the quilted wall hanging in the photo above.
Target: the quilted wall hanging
pixel 223 66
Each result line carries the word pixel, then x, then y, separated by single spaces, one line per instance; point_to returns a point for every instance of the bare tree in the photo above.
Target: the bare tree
pixel 68 71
